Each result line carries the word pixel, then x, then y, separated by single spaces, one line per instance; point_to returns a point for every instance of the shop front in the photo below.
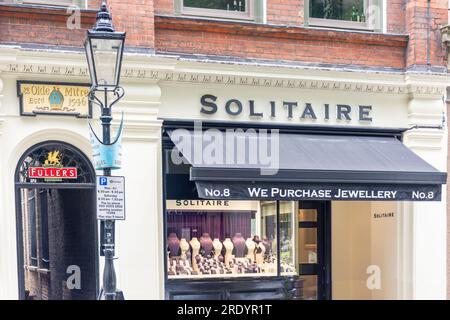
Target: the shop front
pixel 312 183
pixel 309 195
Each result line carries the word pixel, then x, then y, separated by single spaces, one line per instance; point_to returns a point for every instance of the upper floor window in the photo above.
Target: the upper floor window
pixel 56 3
pixel 348 14
pixel 227 9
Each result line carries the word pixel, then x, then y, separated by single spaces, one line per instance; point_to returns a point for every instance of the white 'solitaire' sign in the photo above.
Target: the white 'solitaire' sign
pixel 110 198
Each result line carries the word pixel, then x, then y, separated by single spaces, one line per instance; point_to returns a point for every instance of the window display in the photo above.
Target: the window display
pixel 287 238
pixel 221 239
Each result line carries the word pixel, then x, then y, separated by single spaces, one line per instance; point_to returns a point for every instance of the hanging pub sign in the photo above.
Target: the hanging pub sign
pixel 52 170
pixel 54 98
pixel 292 191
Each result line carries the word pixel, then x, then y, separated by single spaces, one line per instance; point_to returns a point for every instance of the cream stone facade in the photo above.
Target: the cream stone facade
pixel 169 87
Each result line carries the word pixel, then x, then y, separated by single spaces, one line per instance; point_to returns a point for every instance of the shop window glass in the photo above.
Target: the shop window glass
pixel 307 250
pixel 287 239
pixel 220 239
pixel 307 215
pixel 309 285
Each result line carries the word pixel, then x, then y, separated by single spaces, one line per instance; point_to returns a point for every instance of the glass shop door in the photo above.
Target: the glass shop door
pixel 314 249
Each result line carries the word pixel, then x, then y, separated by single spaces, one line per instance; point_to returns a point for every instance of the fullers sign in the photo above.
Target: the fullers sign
pixel 52 172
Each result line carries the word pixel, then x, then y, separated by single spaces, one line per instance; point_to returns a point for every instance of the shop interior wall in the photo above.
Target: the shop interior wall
pixel 361 241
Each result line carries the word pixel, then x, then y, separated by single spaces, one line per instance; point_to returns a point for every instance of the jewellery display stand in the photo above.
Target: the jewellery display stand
pixel 217 245
pixel 195 245
pixel 206 244
pixel 173 243
pixel 251 246
pixel 184 246
pixel 228 244
pixel 239 245
pixel 204 257
pixel 260 253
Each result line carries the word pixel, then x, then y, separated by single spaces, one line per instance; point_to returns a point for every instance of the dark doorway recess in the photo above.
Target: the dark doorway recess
pixel 56 228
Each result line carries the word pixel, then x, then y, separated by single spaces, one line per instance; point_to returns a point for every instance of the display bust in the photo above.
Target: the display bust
pixel 217 245
pixel 251 245
pixel 228 251
pixel 239 245
pixel 173 243
pixel 206 244
pixel 184 246
pixel 195 245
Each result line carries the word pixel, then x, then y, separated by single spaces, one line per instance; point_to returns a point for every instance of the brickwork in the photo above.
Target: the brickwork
pixel 137 18
pixel 285 12
pixel 279 43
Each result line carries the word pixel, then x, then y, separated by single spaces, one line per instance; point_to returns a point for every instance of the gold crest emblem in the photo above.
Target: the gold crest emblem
pixel 53 158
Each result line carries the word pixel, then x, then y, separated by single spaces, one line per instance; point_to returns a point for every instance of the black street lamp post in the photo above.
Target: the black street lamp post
pixel 104 52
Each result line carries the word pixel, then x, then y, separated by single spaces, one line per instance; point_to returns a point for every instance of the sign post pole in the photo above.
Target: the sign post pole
pixel 108 226
pixel 103 42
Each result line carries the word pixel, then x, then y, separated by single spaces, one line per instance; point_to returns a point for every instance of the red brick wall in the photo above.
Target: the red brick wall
pixel 136 17
pixel 287 12
pixel 417 28
pixel 44 26
pixel 164 7
pixel 24 25
pixel 266 42
pixel 395 16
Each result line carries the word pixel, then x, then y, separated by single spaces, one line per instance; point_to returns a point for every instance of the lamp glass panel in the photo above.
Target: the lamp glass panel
pixel 107 58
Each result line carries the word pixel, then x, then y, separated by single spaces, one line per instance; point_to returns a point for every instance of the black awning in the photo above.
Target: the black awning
pixel 367 167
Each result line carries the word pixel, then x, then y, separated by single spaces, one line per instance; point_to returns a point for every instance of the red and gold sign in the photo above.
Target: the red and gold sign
pixel 52 170
pixel 49 173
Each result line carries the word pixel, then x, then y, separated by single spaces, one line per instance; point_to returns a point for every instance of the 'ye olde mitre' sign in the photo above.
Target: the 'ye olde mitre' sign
pixel 54 99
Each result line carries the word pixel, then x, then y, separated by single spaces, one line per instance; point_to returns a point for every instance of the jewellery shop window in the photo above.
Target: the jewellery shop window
pixel 219 238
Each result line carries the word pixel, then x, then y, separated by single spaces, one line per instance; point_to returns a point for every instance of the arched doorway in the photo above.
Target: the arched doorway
pixel 56 223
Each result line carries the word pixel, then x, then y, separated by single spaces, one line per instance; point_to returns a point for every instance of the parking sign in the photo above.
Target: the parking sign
pixel 110 198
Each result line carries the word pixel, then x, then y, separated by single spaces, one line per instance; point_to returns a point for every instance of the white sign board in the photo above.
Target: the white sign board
pixel 110 198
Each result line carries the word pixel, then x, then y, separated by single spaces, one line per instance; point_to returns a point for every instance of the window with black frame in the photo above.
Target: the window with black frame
pixel 218 238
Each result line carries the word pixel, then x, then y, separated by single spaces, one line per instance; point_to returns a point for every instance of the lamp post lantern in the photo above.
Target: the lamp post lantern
pixel 104 52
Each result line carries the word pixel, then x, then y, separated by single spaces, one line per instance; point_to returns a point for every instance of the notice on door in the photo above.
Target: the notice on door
pixel 110 198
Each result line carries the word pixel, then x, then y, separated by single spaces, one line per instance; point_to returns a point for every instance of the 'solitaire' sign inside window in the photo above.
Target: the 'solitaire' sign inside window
pixel 52 169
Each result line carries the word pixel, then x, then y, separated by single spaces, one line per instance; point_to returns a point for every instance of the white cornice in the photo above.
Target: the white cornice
pixel 71 66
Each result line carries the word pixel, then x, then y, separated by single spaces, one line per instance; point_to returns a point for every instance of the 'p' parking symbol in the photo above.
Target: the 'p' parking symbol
pixel 103 181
